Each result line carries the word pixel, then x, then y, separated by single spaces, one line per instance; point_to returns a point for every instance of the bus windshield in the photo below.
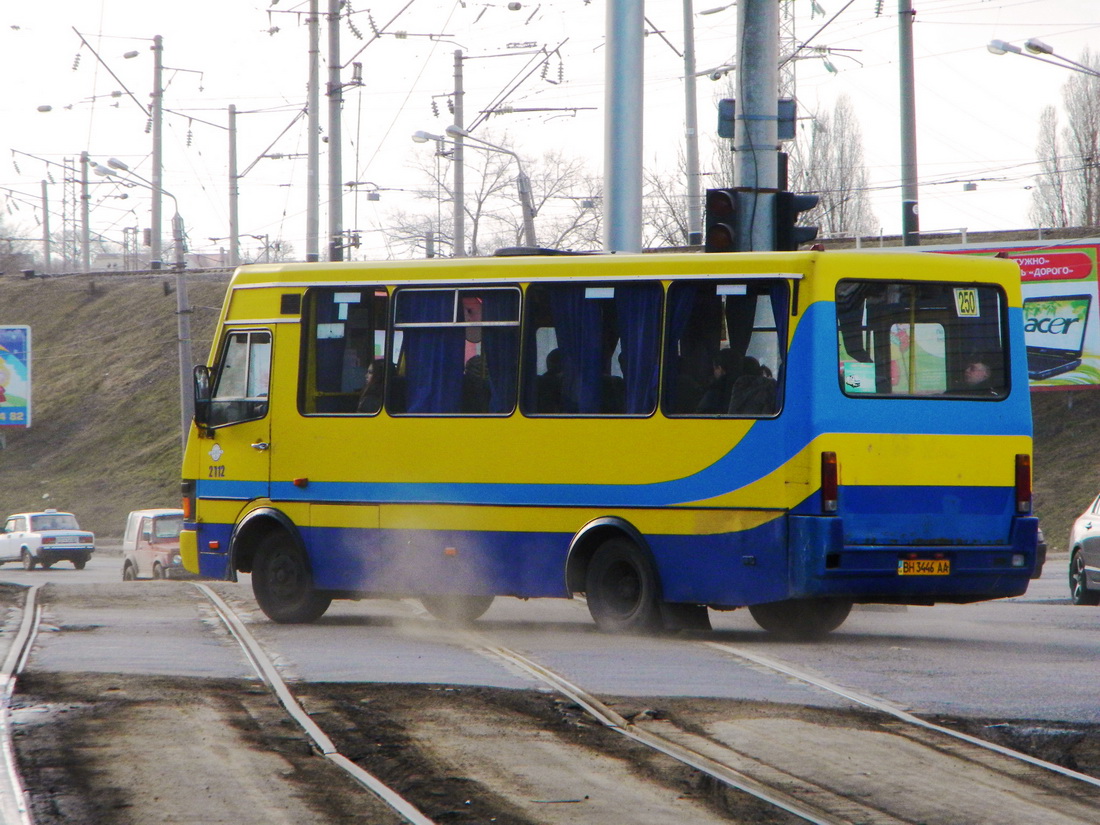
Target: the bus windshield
pixel 923 340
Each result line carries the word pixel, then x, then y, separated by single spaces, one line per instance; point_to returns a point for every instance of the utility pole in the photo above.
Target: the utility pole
pixel 624 67
pixel 691 124
pixel 234 191
pixel 910 222
pixel 313 148
pixel 158 158
pixel 457 159
pixel 46 225
pixel 85 231
pixel 756 170
pixel 335 101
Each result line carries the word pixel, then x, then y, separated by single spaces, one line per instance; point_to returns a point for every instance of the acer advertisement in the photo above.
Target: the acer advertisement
pixel 1061 321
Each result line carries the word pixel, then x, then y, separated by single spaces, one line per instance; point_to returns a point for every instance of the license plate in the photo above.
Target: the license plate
pixel 924 567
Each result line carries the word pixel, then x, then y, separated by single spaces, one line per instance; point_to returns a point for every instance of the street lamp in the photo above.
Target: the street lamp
pixel 523 183
pixel 1035 47
pixel 183 311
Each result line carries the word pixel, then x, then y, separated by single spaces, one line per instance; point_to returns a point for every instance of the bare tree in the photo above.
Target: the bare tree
pixel 1067 191
pixel 564 197
pixel 828 161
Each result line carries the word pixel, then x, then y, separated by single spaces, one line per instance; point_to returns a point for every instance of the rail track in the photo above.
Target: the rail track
pixel 801 770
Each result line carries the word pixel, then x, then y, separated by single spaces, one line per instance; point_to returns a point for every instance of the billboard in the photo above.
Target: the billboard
pixel 1061 321
pixel 15 376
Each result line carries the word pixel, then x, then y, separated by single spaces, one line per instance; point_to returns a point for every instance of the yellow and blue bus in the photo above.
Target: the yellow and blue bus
pixel 665 434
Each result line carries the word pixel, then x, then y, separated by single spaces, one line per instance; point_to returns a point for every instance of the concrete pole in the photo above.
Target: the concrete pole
pixel 910 222
pixel 158 157
pixel 691 132
pixel 234 191
pixel 527 206
pixel 313 145
pixel 335 162
pixel 85 231
pixel 625 30
pixel 457 160
pixel 46 225
pixel 756 161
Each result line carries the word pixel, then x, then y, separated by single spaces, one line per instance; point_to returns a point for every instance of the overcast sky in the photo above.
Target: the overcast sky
pixel 977 113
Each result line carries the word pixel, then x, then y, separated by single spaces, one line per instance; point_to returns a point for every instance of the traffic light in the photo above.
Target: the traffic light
pixel 723 221
pixel 788 206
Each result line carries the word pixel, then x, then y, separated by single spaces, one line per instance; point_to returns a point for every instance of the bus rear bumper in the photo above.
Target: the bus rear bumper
pixel 822 565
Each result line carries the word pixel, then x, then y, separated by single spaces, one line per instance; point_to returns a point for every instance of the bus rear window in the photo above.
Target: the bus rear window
pixel 927 340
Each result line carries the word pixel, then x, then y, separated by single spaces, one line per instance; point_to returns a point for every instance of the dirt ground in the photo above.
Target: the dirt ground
pixel 120 750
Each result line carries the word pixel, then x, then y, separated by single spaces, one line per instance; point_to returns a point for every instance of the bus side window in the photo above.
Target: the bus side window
pixel 724 348
pixel 459 350
pixel 243 376
pixel 592 349
pixel 344 333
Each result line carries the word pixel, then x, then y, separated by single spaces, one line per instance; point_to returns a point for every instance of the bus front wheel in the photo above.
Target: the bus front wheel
pixel 283 584
pixel 621 588
pixel 457 609
pixel 801 618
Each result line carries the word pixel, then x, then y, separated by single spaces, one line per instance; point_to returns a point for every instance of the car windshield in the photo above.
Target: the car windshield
pixel 54 521
pixel 168 528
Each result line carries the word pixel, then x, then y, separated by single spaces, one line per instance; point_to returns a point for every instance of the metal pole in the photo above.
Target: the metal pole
pixel 910 222
pixel 313 146
pixel 335 101
pixel 757 161
pixel 234 191
pixel 85 232
pixel 183 330
pixel 46 225
pixel 527 205
pixel 691 133
pixel 623 126
pixel 457 160
pixel 158 159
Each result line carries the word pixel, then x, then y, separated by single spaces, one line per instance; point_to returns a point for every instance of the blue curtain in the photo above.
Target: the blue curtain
pixel 500 346
pixel 434 358
pixel 329 356
pixel 638 317
pixel 578 325
pixel 681 303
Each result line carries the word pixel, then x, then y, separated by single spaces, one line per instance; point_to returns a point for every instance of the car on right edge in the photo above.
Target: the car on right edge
pixel 1084 556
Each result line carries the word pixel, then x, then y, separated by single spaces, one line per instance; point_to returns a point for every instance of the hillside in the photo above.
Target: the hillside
pixel 105 433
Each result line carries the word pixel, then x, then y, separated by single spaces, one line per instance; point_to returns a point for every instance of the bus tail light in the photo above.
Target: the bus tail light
pixel 187 493
pixel 830 482
pixel 1023 483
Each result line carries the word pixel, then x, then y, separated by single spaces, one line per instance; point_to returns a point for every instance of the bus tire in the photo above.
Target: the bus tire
pixel 283 584
pixel 456 609
pixel 801 619
pixel 1078 583
pixel 621 587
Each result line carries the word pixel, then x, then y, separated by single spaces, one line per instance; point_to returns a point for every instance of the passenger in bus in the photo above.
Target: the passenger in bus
pixel 548 387
pixel 370 399
pixel 754 391
pixel 716 398
pixel 475 386
pixel 978 377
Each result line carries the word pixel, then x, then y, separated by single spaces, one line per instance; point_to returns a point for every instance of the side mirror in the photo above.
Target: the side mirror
pixel 201 377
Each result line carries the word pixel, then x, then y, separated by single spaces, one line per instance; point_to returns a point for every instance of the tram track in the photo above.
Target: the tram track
pixel 725 753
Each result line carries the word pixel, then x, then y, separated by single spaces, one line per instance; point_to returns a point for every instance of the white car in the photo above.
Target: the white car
pixel 45 538
pixel 1084 556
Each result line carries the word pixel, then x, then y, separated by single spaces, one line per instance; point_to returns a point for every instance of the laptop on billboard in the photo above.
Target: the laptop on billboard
pixel 1054 332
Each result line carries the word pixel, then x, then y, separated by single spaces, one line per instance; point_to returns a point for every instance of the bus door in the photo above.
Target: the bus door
pixel 233 464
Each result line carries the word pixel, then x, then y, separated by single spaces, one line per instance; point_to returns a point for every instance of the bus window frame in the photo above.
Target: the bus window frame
pixel 957 354
pixel 259 405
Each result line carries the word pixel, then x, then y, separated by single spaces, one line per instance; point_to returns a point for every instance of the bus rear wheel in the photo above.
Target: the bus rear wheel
pixel 621 587
pixel 283 584
pixel 454 609
pixel 801 619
